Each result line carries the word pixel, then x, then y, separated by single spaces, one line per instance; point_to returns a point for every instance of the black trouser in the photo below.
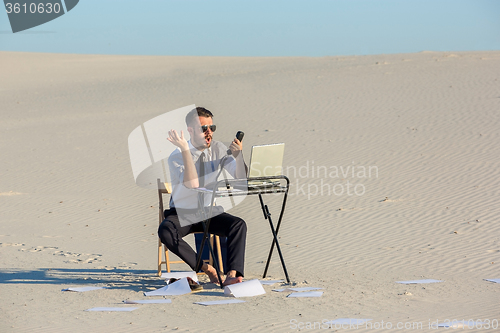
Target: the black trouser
pixel 225 225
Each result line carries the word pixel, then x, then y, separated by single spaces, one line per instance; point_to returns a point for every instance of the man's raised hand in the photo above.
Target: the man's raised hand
pixel 178 140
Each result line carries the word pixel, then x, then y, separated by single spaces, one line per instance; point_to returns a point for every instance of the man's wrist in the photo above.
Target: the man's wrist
pixel 184 148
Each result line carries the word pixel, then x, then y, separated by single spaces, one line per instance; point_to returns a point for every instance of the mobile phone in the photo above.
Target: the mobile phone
pixel 239 136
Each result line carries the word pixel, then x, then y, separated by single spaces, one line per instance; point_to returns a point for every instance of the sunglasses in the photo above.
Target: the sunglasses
pixel 205 128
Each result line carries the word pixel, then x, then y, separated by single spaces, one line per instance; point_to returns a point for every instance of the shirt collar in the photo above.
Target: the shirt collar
pixel 196 152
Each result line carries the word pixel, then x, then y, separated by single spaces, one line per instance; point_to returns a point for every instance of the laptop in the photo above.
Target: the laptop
pixel 266 161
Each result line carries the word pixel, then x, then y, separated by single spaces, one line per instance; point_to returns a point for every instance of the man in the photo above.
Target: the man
pixel 193 164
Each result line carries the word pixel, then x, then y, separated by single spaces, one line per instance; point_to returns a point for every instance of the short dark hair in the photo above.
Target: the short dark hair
pixel 197 112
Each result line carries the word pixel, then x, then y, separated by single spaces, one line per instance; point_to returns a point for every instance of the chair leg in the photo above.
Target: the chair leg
pixel 159 257
pixel 215 242
pixel 167 260
pixel 210 259
pixel 219 253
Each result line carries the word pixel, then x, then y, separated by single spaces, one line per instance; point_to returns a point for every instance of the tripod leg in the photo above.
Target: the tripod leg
pixel 202 246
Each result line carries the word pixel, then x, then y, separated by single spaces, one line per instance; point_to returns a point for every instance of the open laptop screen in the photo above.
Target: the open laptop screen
pixel 267 160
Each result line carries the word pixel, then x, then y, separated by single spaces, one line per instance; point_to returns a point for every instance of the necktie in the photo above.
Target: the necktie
pixel 201 179
pixel 201 168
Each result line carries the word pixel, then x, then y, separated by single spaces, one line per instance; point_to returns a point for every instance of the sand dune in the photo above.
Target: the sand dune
pixel 426 123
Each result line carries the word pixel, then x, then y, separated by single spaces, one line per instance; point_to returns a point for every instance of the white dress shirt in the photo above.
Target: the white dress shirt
pixel 183 197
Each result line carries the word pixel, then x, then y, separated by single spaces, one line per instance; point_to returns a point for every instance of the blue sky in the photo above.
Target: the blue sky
pixel 263 28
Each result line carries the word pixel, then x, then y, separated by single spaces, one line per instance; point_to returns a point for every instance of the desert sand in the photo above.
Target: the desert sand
pixel 426 123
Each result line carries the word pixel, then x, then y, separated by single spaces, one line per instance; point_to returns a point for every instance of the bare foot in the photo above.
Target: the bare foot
pixel 212 274
pixel 232 280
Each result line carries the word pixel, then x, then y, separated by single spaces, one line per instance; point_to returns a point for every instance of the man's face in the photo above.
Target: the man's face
pixel 201 140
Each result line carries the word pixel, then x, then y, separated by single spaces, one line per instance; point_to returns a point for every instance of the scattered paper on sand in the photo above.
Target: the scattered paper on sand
pixel 297 289
pixel 148 301
pixel 419 281
pixel 82 289
pixel 179 287
pixel 112 309
pixel 269 282
pixel 245 289
pixel 180 275
pixel 493 280
pixel 348 321
pixel 307 294
pixel 228 301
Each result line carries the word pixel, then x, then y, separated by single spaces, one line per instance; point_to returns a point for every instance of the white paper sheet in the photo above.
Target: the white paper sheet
pixel 269 282
pixel 82 289
pixel 348 321
pixel 493 280
pixel 148 301
pixel 461 324
pixel 419 281
pixel 228 301
pixel 112 309
pixel 307 294
pixel 180 275
pixel 297 289
pixel 245 289
pixel 180 287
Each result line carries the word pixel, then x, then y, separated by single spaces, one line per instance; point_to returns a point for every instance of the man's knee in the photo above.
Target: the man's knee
pixel 241 226
pixel 166 232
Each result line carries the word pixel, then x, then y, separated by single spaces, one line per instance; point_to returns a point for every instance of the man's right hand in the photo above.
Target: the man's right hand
pixel 178 140
pixel 190 175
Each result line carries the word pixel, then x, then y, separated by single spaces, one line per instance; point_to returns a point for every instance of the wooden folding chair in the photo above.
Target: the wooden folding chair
pixel 166 188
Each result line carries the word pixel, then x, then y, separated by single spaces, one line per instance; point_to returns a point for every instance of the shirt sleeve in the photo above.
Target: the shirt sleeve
pixel 230 164
pixel 176 167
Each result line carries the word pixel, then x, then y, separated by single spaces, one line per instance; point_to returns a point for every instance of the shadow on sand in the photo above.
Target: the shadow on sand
pixel 137 280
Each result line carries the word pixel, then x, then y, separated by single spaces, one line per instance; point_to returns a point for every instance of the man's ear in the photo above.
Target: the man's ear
pixel 190 131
